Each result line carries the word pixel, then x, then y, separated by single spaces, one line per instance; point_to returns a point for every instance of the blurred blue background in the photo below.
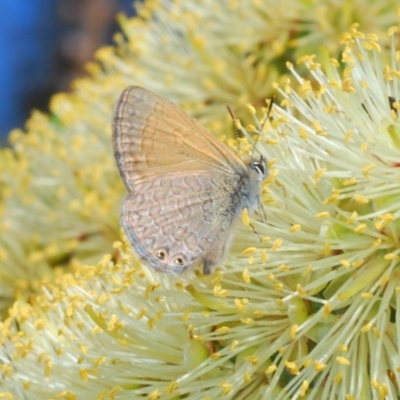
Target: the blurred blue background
pixel 44 44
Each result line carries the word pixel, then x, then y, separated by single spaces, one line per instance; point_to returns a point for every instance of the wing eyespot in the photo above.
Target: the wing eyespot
pixel 161 254
pixel 179 261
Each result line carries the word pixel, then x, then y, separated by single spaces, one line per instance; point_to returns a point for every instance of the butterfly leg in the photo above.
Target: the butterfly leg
pixel 255 231
pixel 262 209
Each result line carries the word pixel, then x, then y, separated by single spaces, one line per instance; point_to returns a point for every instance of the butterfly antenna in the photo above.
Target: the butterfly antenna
pixel 235 125
pixel 233 120
pixel 263 123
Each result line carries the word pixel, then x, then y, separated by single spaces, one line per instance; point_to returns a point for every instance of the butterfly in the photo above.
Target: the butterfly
pixel 185 188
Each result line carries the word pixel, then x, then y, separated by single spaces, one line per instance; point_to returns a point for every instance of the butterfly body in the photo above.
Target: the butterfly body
pixel 186 189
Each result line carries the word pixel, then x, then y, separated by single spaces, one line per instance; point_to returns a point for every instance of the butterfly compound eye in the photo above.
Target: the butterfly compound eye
pixel 258 167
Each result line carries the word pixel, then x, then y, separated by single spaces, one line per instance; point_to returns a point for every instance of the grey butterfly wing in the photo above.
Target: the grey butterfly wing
pixel 154 137
pixel 178 220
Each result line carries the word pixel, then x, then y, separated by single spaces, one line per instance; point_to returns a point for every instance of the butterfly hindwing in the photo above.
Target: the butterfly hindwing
pixel 178 221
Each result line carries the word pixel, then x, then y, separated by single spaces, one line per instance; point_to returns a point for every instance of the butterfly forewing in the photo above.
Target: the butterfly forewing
pixel 153 137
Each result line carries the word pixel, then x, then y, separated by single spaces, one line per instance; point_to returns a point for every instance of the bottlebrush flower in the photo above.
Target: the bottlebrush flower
pixel 305 306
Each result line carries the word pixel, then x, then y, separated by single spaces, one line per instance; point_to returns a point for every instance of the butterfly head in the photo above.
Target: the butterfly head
pixel 256 173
